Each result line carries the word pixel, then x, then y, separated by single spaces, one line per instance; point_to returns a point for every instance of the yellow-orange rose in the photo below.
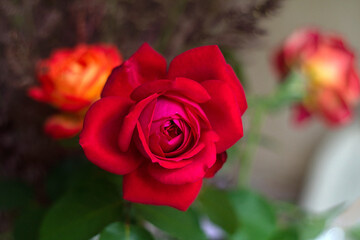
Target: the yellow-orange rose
pixel 330 76
pixel 71 79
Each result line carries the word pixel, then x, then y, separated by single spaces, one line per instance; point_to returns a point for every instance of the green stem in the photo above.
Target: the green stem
pixel 290 91
pixel 127 219
pixel 248 152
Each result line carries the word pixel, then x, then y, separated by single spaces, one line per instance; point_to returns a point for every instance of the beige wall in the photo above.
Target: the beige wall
pixel 279 169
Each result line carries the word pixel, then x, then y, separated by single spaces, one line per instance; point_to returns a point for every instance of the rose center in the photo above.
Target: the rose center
pixel 171 130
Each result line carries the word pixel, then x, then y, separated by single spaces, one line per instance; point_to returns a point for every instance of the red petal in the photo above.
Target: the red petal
pixel 145 65
pixel 100 134
pixel 143 147
pixel 142 143
pixel 67 103
pixel 149 88
pixel 223 113
pixel 301 114
pixel 140 187
pixel 63 126
pixel 71 103
pixel 38 94
pixel 238 91
pixel 353 86
pixel 301 44
pixel 186 87
pixel 191 89
pixel 334 108
pixel 336 42
pixel 279 64
pixel 129 122
pixel 220 160
pixel 192 172
pixel 199 64
pixel 206 63
pixel 111 52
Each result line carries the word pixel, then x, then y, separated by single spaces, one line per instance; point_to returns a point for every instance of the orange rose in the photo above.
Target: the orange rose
pixel 72 79
pixel 328 68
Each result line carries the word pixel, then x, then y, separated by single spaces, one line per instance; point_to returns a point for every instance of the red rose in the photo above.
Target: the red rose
pixel 72 79
pixel 328 67
pixel 165 130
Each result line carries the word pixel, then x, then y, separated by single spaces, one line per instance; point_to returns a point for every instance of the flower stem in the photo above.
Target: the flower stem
pixel 292 90
pixel 253 139
pixel 128 206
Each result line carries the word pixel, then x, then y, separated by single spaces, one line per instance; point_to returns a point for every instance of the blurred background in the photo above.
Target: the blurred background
pixel 281 169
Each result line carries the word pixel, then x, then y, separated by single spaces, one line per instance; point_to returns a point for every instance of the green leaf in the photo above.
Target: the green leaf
pixel 74 172
pixel 222 214
pixel 291 90
pixel 61 176
pixel 120 230
pixel 256 215
pixel 239 235
pixel 354 233
pixel 83 213
pixel 183 225
pixel 286 234
pixel 312 226
pixel 14 194
pixel 27 225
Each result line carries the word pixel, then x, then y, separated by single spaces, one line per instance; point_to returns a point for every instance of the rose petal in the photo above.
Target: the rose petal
pixel 38 94
pixel 170 163
pixel 154 145
pixel 140 187
pixel 220 160
pixel 206 63
pixel 185 155
pixel 301 44
pixel 129 122
pixel 174 165
pixel 238 91
pixel 223 113
pixel 191 89
pixel 199 64
pixel 145 65
pixel 186 87
pixel 301 114
pixel 148 88
pixel 192 109
pixel 192 172
pixel 63 126
pixel 279 64
pixel 337 42
pixel 166 107
pixel 334 108
pixel 100 133
pixel 63 102
pixel 142 143
pixel 171 145
pixel 71 103
pixel 352 87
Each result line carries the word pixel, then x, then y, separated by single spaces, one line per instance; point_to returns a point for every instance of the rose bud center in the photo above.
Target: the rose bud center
pixel 169 132
pixel 171 135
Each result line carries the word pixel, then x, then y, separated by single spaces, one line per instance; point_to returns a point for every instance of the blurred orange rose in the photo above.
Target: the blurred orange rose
pixel 327 64
pixel 72 79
